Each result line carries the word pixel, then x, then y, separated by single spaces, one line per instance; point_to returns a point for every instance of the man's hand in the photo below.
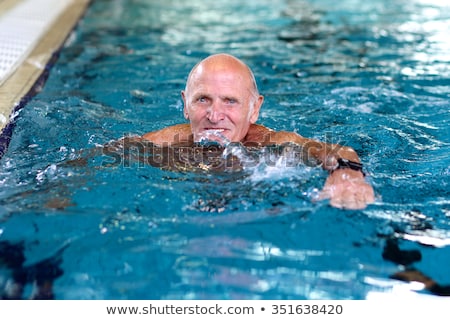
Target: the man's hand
pixel 347 189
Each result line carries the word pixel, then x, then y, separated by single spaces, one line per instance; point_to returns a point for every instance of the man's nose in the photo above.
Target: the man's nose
pixel 215 113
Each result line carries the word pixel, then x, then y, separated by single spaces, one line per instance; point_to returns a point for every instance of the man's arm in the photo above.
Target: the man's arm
pixel 346 188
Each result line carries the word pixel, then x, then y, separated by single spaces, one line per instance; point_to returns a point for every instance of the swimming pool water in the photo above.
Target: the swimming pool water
pixel 375 76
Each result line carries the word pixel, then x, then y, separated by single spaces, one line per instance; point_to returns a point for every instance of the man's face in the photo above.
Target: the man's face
pixel 219 101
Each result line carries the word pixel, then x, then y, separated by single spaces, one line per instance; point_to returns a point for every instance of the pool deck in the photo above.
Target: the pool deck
pixel 31 34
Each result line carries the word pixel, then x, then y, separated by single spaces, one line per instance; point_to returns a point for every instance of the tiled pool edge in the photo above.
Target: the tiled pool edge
pixel 28 78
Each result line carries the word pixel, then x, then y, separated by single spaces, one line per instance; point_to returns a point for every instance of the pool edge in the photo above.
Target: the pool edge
pixel 28 78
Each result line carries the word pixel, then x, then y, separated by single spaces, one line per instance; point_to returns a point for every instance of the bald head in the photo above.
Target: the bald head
pixel 223 62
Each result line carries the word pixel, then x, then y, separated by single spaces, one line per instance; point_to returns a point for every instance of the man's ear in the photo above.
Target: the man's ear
pixel 185 111
pixel 255 112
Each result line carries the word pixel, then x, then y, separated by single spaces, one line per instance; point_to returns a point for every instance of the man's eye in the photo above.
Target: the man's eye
pixel 231 101
pixel 202 99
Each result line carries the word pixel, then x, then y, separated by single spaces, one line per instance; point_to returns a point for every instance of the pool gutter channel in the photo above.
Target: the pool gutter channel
pixel 27 78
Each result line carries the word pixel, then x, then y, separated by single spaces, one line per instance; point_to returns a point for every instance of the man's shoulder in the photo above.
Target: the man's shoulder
pixel 257 134
pixel 265 136
pixel 258 129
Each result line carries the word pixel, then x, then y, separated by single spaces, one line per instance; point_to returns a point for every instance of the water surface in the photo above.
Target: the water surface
pixel 374 76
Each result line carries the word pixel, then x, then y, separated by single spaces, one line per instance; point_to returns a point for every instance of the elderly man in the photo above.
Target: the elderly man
pixel 222 103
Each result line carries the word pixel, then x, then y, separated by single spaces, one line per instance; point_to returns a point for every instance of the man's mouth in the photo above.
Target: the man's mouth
pixel 213 134
pixel 214 129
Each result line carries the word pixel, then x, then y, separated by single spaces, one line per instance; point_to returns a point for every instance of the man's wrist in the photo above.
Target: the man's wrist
pixel 343 163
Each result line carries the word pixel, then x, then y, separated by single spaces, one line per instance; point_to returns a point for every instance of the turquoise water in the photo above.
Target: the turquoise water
pixel 375 76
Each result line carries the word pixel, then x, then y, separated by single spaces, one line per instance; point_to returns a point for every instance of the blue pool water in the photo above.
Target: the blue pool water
pixel 375 76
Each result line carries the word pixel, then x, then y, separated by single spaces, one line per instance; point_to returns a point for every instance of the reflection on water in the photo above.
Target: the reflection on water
pixel 372 75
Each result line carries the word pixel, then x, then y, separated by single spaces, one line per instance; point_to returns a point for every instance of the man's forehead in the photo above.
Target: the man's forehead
pixel 205 75
pixel 223 84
